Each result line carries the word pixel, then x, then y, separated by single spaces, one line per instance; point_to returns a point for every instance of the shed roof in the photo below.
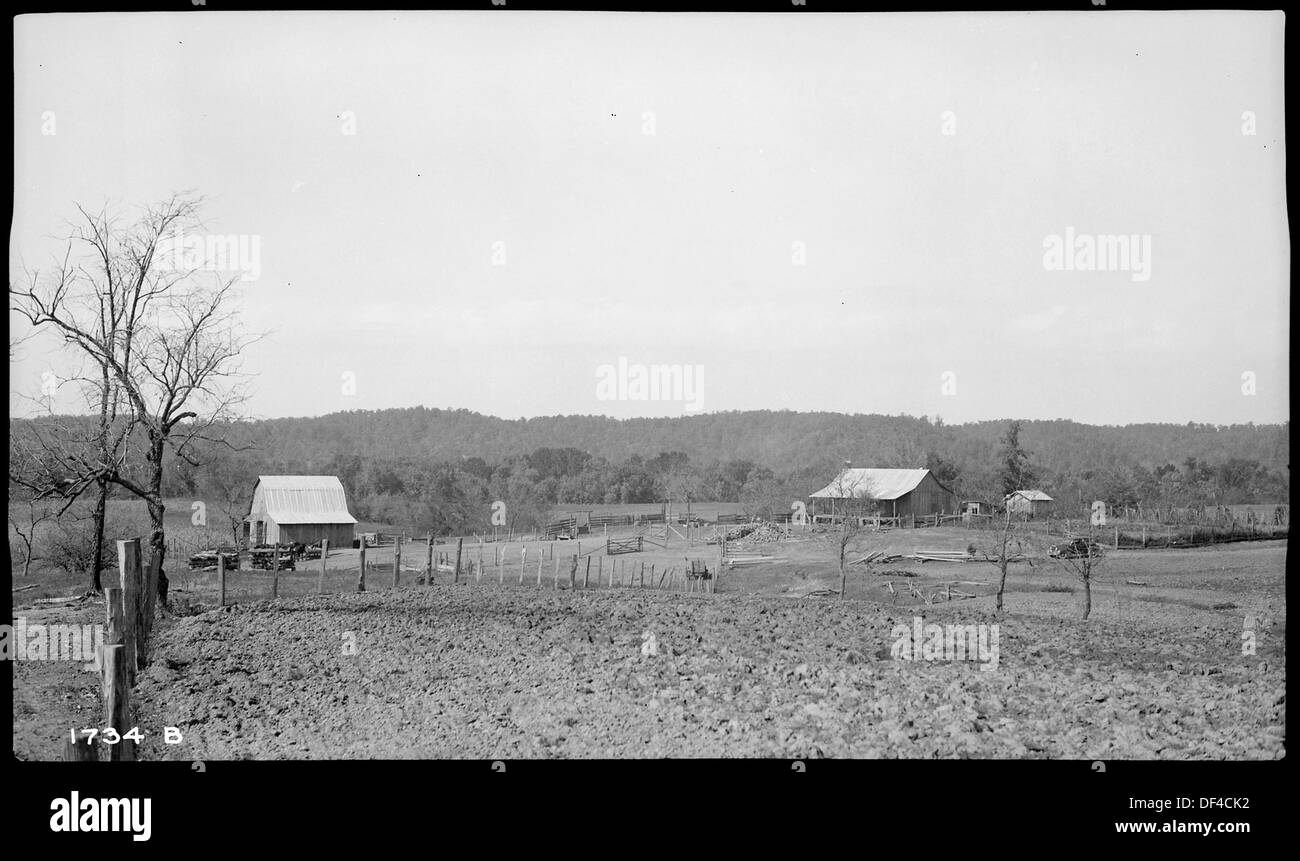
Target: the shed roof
pixel 872 484
pixel 303 498
pixel 1032 495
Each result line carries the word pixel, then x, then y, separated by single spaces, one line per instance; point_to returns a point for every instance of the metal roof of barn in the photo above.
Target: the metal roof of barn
pixel 304 498
pixel 872 484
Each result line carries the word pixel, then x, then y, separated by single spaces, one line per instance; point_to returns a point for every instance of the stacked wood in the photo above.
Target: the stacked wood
pixel 941 556
pixel 751 559
pixel 877 556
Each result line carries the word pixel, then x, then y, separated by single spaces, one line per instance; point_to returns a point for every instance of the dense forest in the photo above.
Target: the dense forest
pixel 441 469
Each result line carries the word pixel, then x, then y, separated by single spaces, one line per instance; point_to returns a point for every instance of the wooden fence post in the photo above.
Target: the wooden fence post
pixel 221 579
pixel 115 635
pixel 600 569
pixel 324 554
pixel 361 577
pixel 128 564
pixel 275 572
pixel 397 561
pixel 456 574
pixel 428 561
pixel 573 572
pixel 722 562
pixel 81 749
pixel 116 691
pixel 586 575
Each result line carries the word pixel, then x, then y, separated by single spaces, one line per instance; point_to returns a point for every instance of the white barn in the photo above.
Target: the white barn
pixel 299 508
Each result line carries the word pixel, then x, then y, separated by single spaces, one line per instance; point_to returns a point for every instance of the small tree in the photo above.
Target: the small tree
pixel 1082 564
pixel 1001 548
pixel 25 528
pixel 853 498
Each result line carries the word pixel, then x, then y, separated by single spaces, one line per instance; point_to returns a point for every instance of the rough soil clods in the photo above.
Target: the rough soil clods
pixel 499 672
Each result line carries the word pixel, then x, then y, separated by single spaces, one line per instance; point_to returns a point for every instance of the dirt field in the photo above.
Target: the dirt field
pixel 481 670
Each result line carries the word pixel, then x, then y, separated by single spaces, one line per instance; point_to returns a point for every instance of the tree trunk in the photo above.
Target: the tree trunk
pixel 157 535
pixel 844 547
pixel 1002 582
pixel 97 559
pixel 1087 594
pixel 1002 558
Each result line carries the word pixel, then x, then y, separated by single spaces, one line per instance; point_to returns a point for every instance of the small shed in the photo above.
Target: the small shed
pixel 299 508
pixel 1030 503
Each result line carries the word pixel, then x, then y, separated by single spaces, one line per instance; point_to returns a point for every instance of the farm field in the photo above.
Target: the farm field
pixel 481 670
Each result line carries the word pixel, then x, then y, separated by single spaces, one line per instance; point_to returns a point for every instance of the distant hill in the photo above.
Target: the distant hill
pixel 436 466
pixel 780 440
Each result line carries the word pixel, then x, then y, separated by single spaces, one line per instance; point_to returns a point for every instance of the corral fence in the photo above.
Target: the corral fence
pixel 1122 534
pixel 424 561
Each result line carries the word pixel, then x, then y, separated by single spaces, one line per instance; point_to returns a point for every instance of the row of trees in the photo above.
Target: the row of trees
pixel 781 441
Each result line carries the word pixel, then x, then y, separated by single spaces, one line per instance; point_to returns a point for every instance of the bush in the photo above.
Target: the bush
pixel 70 544
pixel 1058 587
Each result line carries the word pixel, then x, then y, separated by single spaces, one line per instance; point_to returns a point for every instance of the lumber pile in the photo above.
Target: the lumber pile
pixel 941 556
pixel 877 556
pixel 750 559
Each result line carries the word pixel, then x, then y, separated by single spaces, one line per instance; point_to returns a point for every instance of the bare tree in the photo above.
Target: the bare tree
pixel 165 339
pixel 853 500
pixel 25 528
pixel 1000 549
pixel 1080 557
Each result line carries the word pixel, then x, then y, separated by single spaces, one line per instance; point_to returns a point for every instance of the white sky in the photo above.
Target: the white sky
pixel 924 251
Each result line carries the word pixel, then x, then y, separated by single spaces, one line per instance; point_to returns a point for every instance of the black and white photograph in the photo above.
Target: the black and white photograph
pixel 513 386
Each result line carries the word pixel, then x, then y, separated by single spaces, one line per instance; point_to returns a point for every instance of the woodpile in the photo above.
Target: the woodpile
pixel 750 559
pixel 941 556
pixel 877 556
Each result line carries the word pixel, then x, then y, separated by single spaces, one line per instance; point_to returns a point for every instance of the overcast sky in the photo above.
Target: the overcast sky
pixel 848 212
